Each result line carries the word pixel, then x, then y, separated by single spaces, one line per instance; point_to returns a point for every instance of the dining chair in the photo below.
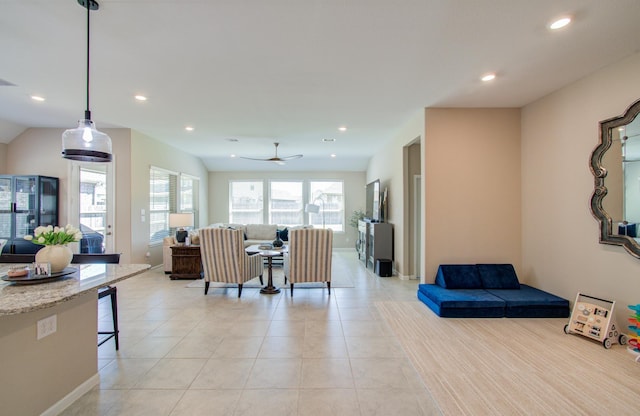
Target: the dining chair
pixel 309 257
pixel 224 258
pixel 111 291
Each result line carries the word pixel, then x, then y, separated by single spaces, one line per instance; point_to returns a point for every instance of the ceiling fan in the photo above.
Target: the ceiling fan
pixel 275 159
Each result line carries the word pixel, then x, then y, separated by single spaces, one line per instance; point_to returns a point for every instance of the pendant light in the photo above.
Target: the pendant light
pixel 85 143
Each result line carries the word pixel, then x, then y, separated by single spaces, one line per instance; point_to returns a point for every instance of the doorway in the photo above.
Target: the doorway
pixel 92 205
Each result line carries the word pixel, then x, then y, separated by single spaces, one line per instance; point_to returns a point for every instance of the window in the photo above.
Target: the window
pixel 282 202
pixel 190 196
pixel 170 192
pixel 329 196
pixel 246 202
pixel 162 201
pixel 93 198
pixel 285 203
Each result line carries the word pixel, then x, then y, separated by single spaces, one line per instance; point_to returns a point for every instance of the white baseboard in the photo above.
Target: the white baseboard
pixel 67 400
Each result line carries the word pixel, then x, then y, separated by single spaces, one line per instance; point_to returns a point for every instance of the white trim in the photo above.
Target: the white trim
pixel 78 392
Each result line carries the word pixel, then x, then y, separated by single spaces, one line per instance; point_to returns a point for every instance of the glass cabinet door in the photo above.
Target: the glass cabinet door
pixel 6 207
pixel 25 205
pixel 48 201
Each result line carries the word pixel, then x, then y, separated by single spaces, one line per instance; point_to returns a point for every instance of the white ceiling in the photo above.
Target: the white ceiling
pixel 293 71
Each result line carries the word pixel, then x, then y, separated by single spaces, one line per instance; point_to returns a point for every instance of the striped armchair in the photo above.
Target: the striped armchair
pixel 224 258
pixel 309 257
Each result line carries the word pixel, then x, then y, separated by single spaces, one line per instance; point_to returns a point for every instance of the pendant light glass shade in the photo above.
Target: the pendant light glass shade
pixel 86 144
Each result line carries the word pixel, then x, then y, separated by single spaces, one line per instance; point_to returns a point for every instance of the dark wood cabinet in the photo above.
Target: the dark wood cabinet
pixel 186 262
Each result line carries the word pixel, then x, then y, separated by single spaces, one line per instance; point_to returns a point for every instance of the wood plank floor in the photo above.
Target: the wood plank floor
pixel 513 366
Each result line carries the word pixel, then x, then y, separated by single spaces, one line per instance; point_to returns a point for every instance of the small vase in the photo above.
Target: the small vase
pixel 59 256
pixel 277 243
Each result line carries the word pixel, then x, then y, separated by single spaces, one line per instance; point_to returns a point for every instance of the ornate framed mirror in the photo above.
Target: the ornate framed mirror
pixel 615 164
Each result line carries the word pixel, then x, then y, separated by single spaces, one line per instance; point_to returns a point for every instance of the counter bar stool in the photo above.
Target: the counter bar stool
pixel 105 291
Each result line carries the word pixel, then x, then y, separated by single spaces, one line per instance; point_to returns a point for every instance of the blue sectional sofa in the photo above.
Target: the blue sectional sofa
pixel 488 291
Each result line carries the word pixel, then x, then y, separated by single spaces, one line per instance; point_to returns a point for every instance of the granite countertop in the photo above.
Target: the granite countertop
pixel 21 298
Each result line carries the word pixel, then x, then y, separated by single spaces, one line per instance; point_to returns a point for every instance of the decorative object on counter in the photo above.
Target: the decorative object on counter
pixel 18 271
pixel 55 240
pixel 41 269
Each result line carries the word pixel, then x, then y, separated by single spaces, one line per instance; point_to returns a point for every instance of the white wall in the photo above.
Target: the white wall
pixel 387 165
pixel 561 252
pixel 354 192
pixel 147 152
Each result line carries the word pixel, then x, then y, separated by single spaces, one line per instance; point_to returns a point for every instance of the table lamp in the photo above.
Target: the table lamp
pixel 179 221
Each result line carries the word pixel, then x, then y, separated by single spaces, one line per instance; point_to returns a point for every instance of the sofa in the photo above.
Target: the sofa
pixel 488 291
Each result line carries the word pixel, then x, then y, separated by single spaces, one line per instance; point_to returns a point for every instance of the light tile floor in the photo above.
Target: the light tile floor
pixel 184 353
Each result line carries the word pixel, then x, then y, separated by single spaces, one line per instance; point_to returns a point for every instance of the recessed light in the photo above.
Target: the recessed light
pixel 37 98
pixel 328 140
pixel 140 98
pixel 342 128
pixel 232 140
pixel 188 128
pixel 560 23
pixel 232 156
pixel 488 77
pixel 333 155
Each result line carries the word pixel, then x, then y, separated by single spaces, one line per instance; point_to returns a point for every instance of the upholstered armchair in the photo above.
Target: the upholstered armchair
pixel 309 257
pixel 224 258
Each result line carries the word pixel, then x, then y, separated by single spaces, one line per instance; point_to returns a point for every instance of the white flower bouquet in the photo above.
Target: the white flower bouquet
pixel 51 236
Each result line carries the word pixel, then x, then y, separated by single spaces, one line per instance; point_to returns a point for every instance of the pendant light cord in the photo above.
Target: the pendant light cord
pixel 87 113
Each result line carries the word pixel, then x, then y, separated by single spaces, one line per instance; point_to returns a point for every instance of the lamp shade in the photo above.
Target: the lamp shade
pixel 312 208
pixel 182 219
pixel 86 144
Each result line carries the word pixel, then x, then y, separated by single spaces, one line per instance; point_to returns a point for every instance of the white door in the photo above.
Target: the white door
pixel 92 205
pixel 417 223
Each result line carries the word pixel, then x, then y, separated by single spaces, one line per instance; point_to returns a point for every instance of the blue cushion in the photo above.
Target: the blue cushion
pixel 284 234
pixel 529 302
pixel 458 276
pixel 461 303
pixel 498 276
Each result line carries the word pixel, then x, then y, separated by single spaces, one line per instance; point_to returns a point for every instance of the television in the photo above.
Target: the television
pixel 373 212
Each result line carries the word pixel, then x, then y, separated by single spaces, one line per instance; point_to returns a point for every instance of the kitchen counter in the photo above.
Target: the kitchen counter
pixel 43 373
pixel 16 299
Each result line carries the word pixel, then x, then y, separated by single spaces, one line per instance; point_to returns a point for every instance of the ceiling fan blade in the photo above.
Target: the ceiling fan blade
pixel 255 158
pixel 291 157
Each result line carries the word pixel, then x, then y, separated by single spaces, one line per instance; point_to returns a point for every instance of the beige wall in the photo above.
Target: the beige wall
pixel 37 152
pixel 387 165
pixel 146 152
pixel 354 191
pixel 3 158
pixel 472 187
pixel 36 374
pixel 561 252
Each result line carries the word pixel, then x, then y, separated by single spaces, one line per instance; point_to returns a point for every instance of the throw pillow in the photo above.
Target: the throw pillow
pixel 284 234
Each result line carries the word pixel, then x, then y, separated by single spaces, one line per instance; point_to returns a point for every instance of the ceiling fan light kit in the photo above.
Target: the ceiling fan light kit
pixel 275 159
